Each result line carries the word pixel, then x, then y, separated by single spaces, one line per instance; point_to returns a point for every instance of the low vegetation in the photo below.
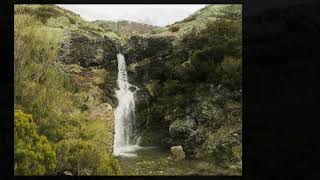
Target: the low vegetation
pixel 49 134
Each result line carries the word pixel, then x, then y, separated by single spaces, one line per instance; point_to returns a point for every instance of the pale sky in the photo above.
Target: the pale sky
pixel 160 15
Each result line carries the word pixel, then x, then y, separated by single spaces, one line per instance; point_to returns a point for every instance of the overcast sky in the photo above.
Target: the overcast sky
pixel 160 15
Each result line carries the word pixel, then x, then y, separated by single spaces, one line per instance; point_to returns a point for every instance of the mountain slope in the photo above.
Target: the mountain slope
pixel 123 27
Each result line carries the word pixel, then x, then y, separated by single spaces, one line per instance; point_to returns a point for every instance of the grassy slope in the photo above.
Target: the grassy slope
pixel 198 20
pixel 48 91
pixel 123 27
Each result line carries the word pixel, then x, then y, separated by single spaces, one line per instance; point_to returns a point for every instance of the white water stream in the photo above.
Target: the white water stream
pixel 124 141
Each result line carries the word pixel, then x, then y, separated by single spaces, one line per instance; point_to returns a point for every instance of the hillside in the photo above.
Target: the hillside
pixel 200 18
pixel 125 28
pixel 189 76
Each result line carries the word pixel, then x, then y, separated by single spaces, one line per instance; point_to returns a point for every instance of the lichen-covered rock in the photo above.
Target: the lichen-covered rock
pixel 140 47
pixel 182 128
pixel 88 49
pixel 177 153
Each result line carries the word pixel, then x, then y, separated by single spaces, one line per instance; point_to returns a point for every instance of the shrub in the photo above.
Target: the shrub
pixel 174 28
pixel 231 73
pixel 191 39
pixel 59 21
pixel 237 154
pixel 72 20
pixel 202 63
pixel 190 18
pixel 221 32
pixel 185 72
pixel 85 158
pixel 209 47
pixel 173 87
pixel 33 154
pixel 181 128
pixel 233 12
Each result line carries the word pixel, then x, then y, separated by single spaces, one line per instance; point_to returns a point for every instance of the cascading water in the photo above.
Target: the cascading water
pixel 124 142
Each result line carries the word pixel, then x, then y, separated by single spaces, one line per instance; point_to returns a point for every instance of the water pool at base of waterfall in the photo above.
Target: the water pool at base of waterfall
pixel 128 150
pixel 154 161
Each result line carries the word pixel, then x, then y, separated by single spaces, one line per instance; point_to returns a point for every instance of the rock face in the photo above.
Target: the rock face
pixel 177 153
pixel 140 47
pixel 88 49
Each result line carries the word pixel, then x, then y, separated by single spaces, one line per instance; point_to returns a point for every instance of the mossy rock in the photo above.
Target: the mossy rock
pixel 177 153
pixel 88 49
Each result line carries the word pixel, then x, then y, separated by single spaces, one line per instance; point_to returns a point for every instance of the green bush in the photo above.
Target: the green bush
pixel 191 39
pixel 185 72
pixel 233 12
pixel 221 32
pixel 209 47
pixel 173 87
pixel 85 158
pixel 190 18
pixel 72 20
pixel 60 21
pixel 174 28
pixel 231 72
pixel 237 160
pixel 33 154
pixel 181 128
pixel 203 63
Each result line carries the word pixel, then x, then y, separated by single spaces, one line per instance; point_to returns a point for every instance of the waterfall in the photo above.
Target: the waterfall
pixel 124 142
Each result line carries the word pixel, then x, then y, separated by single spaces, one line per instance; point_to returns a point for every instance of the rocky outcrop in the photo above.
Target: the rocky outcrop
pixel 88 49
pixel 140 47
